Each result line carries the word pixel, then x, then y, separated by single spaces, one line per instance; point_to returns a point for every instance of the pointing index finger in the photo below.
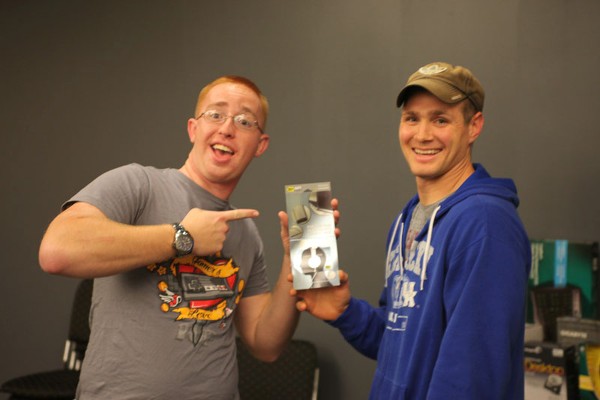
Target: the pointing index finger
pixel 241 213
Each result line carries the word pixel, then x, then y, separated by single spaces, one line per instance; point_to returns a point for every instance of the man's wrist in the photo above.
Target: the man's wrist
pixel 183 243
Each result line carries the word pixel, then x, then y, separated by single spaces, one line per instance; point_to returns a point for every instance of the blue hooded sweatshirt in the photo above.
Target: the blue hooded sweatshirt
pixel 451 318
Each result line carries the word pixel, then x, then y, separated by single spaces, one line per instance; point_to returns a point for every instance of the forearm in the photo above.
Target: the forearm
pixel 267 322
pixel 82 242
pixel 280 318
pixel 362 326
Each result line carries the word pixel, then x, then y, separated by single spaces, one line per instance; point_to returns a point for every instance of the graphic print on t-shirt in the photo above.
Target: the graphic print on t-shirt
pixel 198 288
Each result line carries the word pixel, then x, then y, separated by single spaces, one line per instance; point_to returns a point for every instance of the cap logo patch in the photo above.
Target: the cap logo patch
pixel 432 69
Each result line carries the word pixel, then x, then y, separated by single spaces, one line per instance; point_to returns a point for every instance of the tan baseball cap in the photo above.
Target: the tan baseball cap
pixel 449 83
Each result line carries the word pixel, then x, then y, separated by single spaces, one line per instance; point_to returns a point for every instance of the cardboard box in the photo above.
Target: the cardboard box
pixel 313 245
pixel 550 372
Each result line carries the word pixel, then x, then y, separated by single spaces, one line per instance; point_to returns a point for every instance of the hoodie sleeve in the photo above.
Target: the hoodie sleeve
pixel 362 325
pixel 484 296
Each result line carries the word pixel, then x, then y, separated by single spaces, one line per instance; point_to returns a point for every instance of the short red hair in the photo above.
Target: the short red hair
pixel 239 80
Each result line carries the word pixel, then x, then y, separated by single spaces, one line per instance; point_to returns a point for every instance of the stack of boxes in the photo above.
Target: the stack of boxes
pixel 584 336
pixel 562 336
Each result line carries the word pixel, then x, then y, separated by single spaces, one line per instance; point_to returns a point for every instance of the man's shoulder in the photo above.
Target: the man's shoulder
pixel 139 168
pixel 135 171
pixel 482 208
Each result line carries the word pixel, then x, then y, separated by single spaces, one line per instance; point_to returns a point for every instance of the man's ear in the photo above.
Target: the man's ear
pixel 192 126
pixel 263 145
pixel 475 126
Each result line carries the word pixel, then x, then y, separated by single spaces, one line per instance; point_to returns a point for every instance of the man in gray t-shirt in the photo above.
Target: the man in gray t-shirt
pixel 174 264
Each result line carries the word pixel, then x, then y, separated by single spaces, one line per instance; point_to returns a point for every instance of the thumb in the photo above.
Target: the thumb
pixel 283 219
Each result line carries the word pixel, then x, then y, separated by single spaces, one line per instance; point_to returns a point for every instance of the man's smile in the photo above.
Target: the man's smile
pixel 222 149
pixel 426 152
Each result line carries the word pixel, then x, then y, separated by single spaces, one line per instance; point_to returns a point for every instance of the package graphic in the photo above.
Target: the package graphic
pixel 313 246
pixel 550 371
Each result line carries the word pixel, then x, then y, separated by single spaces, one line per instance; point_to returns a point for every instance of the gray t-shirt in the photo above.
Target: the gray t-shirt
pixel 420 216
pixel 164 331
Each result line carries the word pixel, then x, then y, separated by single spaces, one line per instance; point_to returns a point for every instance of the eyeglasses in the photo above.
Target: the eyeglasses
pixel 245 122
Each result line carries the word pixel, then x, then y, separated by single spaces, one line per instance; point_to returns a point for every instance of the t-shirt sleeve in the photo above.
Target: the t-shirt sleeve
pixel 121 194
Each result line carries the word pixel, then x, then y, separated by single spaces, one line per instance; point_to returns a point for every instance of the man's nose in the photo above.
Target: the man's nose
pixel 227 128
pixel 423 131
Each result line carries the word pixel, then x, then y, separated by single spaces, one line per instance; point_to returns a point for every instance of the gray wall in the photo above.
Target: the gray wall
pixel 88 86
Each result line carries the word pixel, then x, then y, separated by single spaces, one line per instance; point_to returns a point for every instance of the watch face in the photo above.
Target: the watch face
pixel 185 243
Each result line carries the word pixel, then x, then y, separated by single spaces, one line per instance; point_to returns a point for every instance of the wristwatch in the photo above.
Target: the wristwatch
pixel 183 242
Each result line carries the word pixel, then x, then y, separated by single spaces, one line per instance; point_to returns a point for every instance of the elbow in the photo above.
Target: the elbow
pixel 52 259
pixel 268 356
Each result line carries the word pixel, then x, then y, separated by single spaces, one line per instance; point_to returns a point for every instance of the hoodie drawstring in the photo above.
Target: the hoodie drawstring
pixel 387 260
pixel 400 245
pixel 428 246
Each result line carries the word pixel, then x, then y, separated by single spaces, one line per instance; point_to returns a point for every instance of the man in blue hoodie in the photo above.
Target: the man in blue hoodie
pixel 451 317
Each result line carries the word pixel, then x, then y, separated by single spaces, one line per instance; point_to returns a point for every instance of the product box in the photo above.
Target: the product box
pixel 550 372
pixel 563 264
pixel 572 330
pixel 585 334
pixel 313 245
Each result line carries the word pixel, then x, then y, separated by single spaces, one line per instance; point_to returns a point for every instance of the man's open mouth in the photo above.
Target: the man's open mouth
pixel 222 149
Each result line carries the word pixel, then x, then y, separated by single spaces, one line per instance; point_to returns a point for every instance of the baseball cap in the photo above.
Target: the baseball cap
pixel 449 83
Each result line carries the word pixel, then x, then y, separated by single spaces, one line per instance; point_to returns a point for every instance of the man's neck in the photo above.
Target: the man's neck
pixel 219 190
pixel 432 190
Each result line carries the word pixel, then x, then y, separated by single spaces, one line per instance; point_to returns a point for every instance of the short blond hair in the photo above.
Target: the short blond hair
pixel 264 103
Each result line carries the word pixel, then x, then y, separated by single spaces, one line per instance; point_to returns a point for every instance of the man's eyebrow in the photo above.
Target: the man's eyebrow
pixel 224 104
pixel 217 104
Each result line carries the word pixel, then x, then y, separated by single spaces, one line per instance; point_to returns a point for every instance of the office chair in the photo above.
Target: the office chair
pixel 293 376
pixel 60 383
pixel 550 302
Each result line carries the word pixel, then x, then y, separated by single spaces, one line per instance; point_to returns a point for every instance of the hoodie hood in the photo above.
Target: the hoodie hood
pixel 480 182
